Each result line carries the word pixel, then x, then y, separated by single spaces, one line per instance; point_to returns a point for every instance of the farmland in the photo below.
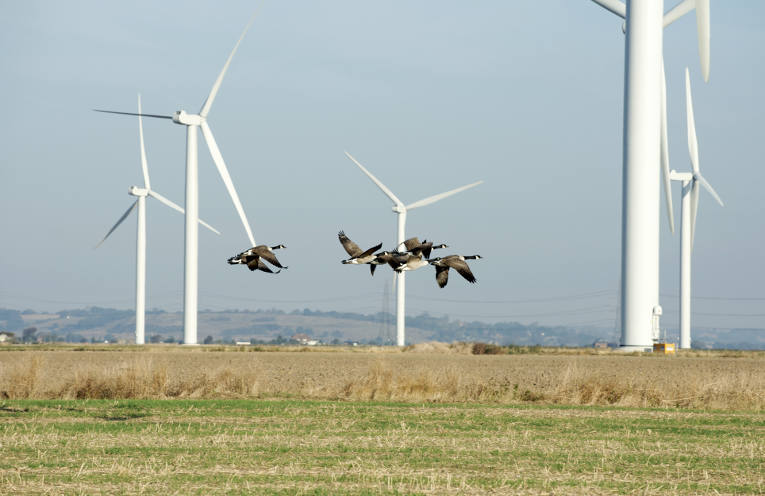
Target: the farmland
pixel 433 419
pixel 321 447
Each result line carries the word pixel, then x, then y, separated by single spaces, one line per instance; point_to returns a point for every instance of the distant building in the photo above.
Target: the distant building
pixel 6 337
pixel 305 339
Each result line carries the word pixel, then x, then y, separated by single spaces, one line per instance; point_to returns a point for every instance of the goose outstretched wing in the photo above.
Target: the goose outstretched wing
pixel 255 263
pixel 266 254
pixel 462 267
pixel 442 275
pixel 350 247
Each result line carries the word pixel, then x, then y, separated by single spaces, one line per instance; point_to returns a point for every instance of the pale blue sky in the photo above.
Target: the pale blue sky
pixel 428 95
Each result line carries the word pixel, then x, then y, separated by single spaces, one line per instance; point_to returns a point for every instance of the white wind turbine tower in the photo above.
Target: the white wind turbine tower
pixel 140 264
pixel 401 210
pixel 193 122
pixel 643 150
pixel 689 210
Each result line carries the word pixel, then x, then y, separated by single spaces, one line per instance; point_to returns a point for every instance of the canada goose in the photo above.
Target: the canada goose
pixel 252 257
pixel 456 262
pixel 407 261
pixel 253 262
pixel 416 248
pixel 381 258
pixel 357 256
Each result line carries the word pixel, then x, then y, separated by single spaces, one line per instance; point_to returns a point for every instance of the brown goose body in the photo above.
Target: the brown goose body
pixel 407 261
pixel 456 262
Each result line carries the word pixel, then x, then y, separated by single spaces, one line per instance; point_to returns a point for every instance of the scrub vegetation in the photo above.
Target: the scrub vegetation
pixel 431 372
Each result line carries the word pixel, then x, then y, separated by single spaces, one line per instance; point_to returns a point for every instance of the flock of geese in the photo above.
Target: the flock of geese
pixel 416 254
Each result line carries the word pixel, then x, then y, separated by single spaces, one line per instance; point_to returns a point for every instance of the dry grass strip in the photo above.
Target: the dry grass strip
pixel 705 381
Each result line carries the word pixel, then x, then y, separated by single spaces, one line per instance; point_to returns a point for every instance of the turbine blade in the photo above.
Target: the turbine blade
pixel 156 116
pixel 144 164
pixel 178 208
pixel 709 188
pixel 379 184
pixel 440 196
pixel 694 208
pixel 208 226
pixel 702 26
pixel 665 151
pixel 693 143
pixel 167 202
pixel 223 171
pixel 678 11
pixel 124 216
pixel 216 86
pixel 615 6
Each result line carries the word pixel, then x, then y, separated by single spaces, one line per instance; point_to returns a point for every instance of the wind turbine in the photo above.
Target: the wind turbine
pixel 689 210
pixel 401 210
pixel 644 131
pixel 193 122
pixel 140 264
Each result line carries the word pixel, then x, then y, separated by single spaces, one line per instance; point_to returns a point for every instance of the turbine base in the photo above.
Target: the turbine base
pixel 628 348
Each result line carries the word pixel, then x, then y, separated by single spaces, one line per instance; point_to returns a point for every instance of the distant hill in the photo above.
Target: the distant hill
pixel 99 324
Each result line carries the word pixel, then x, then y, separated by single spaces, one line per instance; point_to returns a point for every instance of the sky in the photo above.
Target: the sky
pixel 428 95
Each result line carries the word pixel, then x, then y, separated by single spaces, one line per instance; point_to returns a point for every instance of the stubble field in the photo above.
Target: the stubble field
pixel 376 421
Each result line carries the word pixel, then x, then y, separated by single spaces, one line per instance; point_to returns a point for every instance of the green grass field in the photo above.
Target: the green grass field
pixel 337 447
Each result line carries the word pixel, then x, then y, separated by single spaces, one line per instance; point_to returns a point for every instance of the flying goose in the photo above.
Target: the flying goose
pixel 254 257
pixel 416 248
pixel 414 257
pixel 456 262
pixel 253 262
pixel 382 258
pixel 356 255
pixel 402 261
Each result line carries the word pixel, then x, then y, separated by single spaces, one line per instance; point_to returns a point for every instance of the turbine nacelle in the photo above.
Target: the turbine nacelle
pixel 399 209
pixel 181 117
pixel 136 191
pixel 681 176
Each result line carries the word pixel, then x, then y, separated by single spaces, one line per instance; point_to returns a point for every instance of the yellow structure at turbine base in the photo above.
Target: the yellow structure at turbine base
pixel 665 348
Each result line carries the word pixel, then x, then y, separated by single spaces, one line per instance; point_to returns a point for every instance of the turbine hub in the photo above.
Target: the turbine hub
pixel 181 117
pixel 398 209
